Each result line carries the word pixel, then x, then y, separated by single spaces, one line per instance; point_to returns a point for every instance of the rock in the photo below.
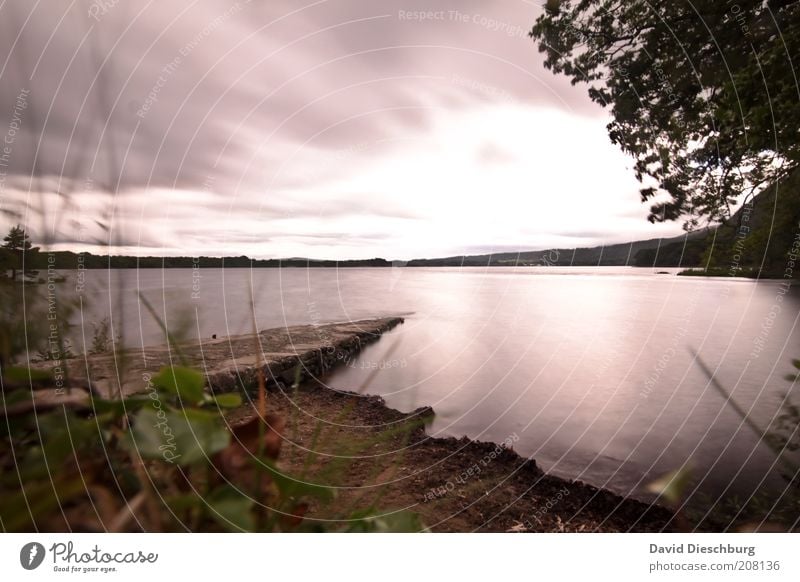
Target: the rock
pixel 232 363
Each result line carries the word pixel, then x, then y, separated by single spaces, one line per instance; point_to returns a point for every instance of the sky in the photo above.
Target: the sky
pixel 335 129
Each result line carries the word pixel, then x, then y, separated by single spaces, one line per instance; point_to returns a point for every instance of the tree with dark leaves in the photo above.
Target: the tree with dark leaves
pixel 703 94
pixel 15 244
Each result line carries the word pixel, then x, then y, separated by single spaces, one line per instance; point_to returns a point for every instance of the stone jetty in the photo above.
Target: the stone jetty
pixel 229 363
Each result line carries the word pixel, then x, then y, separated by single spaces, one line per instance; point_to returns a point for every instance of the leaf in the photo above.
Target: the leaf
pixel 186 383
pixel 398 522
pixel 232 509
pixel 226 400
pixel 119 407
pixel 16 397
pixel 672 485
pixel 23 374
pixel 23 510
pixel 182 437
pixel 292 488
pixel 796 363
pixel 181 503
pixel 64 435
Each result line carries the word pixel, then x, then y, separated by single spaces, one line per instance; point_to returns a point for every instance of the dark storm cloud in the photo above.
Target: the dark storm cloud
pixel 102 238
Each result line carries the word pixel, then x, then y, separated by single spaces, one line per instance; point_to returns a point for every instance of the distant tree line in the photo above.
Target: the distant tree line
pixel 72 260
pixel 755 242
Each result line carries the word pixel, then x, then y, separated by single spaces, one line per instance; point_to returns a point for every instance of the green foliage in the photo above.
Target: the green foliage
pixel 184 437
pixel 760 236
pixel 230 400
pixel 15 333
pixel 16 248
pixel 231 509
pixel 44 476
pixel 673 485
pixel 17 239
pixel 397 522
pixel 101 337
pixel 32 325
pixel 209 475
pixel 294 488
pixel 20 374
pixel 187 384
pixel 52 352
pixel 703 95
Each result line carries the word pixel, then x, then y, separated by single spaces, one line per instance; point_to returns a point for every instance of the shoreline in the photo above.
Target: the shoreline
pixel 691 272
pixel 354 443
pixel 454 484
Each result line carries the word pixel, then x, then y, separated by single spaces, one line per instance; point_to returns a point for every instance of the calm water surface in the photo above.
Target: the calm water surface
pixel 591 368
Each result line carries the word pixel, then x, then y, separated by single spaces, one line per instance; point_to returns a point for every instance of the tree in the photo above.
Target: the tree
pixel 15 244
pixel 702 93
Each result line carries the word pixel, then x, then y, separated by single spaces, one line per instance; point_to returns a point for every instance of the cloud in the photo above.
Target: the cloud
pixel 219 126
pixel 490 153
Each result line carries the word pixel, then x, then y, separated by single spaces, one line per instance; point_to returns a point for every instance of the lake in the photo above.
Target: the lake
pixel 592 369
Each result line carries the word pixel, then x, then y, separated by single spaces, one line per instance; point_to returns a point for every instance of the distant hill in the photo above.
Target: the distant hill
pixel 612 255
pixel 603 256
pixel 755 241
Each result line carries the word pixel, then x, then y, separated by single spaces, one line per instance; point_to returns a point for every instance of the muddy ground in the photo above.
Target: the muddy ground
pixel 380 457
